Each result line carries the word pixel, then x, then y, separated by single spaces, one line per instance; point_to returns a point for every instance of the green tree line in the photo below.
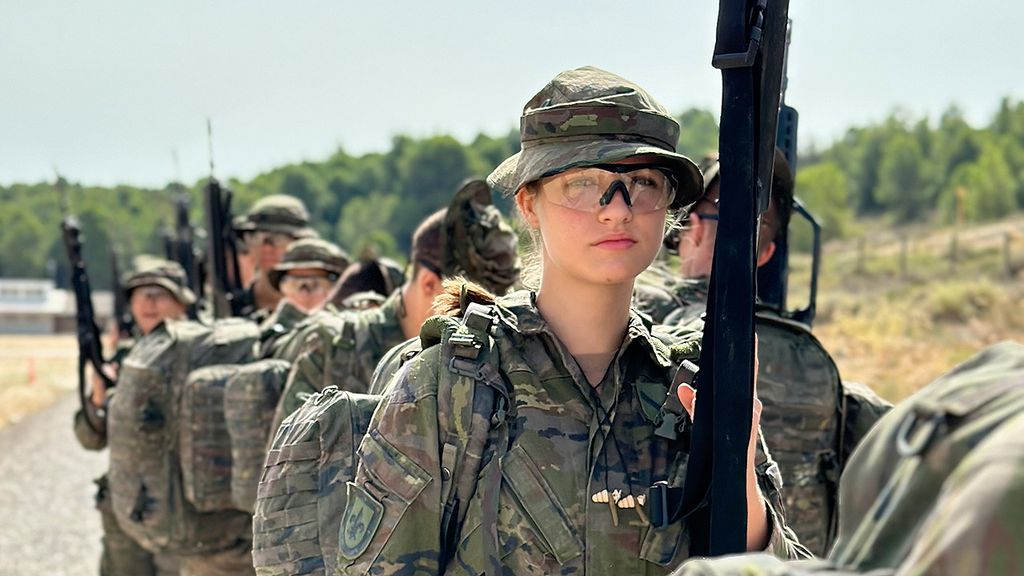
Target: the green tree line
pixel 907 169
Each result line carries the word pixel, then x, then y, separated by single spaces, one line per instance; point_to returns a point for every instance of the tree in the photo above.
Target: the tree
pixel 982 190
pixel 365 223
pixel 825 191
pixel 698 134
pixel 902 187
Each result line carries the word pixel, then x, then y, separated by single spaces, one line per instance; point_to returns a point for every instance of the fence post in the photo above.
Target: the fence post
pixel 954 248
pixel 1007 259
pixel 862 255
pixel 904 249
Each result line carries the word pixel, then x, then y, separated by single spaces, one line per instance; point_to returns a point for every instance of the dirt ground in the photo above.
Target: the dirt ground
pixel 34 372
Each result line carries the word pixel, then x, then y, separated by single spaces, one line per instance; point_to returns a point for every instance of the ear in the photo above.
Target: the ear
pixel 766 254
pixel 429 284
pixel 525 202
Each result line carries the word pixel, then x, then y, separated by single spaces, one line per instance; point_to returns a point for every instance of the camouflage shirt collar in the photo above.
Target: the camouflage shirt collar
pixel 518 311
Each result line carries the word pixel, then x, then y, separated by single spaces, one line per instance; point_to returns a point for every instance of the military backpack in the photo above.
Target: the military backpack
pixel 169 451
pixel 304 490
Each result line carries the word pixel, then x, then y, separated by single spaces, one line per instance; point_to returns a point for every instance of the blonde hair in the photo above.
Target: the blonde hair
pixel 457 293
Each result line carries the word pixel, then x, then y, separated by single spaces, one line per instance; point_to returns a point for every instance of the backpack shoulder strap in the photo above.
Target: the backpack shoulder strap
pixel 473 399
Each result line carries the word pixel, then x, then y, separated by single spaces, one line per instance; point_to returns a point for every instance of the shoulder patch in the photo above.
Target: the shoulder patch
pixel 359 522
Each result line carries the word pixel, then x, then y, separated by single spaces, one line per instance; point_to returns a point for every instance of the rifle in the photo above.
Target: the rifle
pixel 713 500
pixel 772 278
pixel 125 321
pixel 182 250
pixel 221 240
pixel 90 347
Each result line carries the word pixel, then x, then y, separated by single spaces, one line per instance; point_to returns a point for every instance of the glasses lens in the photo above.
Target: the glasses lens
pixel 311 284
pixel 649 189
pixel 259 238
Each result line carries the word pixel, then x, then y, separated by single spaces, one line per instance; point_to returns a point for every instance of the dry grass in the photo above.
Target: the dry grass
pixel 35 371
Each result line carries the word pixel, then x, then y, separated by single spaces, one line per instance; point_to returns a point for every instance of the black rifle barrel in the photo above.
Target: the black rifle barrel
pixel 90 347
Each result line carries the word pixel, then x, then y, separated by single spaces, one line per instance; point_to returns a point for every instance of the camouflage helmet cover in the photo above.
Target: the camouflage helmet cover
pixel 477 242
pixel 309 253
pixel 588 116
pixel 150 270
pixel 277 213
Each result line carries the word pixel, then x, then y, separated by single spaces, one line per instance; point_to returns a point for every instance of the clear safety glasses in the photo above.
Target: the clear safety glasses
pixel 644 187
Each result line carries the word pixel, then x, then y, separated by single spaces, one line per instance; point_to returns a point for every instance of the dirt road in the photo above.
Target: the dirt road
pixel 48 523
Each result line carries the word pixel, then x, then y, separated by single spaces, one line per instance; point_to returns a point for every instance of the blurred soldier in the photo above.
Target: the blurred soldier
pixel 367 283
pixel 812 420
pixel 156 290
pixel 937 488
pixel 266 230
pixel 469 238
pixel 308 270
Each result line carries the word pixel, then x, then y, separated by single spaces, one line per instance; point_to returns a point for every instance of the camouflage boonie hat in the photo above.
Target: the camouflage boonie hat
pixel 477 242
pixel 277 213
pixel 309 253
pixel 588 116
pixel 152 271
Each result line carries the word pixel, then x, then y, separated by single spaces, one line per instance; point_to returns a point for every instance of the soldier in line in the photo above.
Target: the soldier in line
pixel 305 276
pixel 156 291
pixel 937 488
pixel 564 486
pixel 367 283
pixel 266 230
pixel 468 238
pixel 812 420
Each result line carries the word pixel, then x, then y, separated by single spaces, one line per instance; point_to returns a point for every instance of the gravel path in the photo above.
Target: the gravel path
pixel 48 523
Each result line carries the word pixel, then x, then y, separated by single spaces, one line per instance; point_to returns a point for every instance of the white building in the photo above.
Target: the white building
pixel 36 306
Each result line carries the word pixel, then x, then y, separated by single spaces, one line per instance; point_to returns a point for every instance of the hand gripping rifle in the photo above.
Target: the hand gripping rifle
pixel 90 347
pixel 749 49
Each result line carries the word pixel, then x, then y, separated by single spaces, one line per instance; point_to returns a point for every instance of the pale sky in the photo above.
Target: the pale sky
pixel 107 89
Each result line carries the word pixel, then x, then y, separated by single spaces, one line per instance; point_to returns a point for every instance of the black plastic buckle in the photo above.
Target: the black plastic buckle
pixel 464 367
pixel 745 59
pixel 657 498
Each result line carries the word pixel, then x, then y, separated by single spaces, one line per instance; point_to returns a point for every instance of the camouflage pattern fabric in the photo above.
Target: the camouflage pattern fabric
pixel 152 271
pixel 811 421
pixel 936 488
pixel 250 398
pixel 542 509
pixel 277 213
pixel 668 299
pixel 302 488
pixel 477 242
pixel 277 330
pixel 148 487
pixel 313 253
pixel 343 353
pixel 589 116
pixel 89 438
pixel 121 555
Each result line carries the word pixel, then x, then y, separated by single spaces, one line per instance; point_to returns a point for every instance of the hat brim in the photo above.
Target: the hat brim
pixel 278 272
pixel 181 293
pixel 298 232
pixel 551 158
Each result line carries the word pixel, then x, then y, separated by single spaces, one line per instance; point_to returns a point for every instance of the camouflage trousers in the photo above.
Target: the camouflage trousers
pixel 235 561
pixel 123 556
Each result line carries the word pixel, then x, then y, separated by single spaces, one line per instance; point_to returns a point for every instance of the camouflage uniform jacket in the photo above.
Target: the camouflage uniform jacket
pixel 91 439
pixel 343 353
pixel 572 443
pixel 693 292
pixel 277 329
pixel 936 488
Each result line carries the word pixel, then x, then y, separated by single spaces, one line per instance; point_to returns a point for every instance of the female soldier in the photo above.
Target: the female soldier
pixel 595 178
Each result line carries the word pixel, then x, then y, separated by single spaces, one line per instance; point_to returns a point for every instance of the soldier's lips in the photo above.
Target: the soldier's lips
pixel 615 242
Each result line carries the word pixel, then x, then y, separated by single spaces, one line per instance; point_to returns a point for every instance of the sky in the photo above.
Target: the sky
pixel 118 91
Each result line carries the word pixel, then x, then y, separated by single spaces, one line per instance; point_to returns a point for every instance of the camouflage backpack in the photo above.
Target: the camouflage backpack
pixel 304 491
pixel 163 471
pixel 799 385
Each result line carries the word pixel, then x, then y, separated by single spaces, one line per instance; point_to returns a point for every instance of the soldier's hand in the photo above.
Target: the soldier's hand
pixel 99 387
